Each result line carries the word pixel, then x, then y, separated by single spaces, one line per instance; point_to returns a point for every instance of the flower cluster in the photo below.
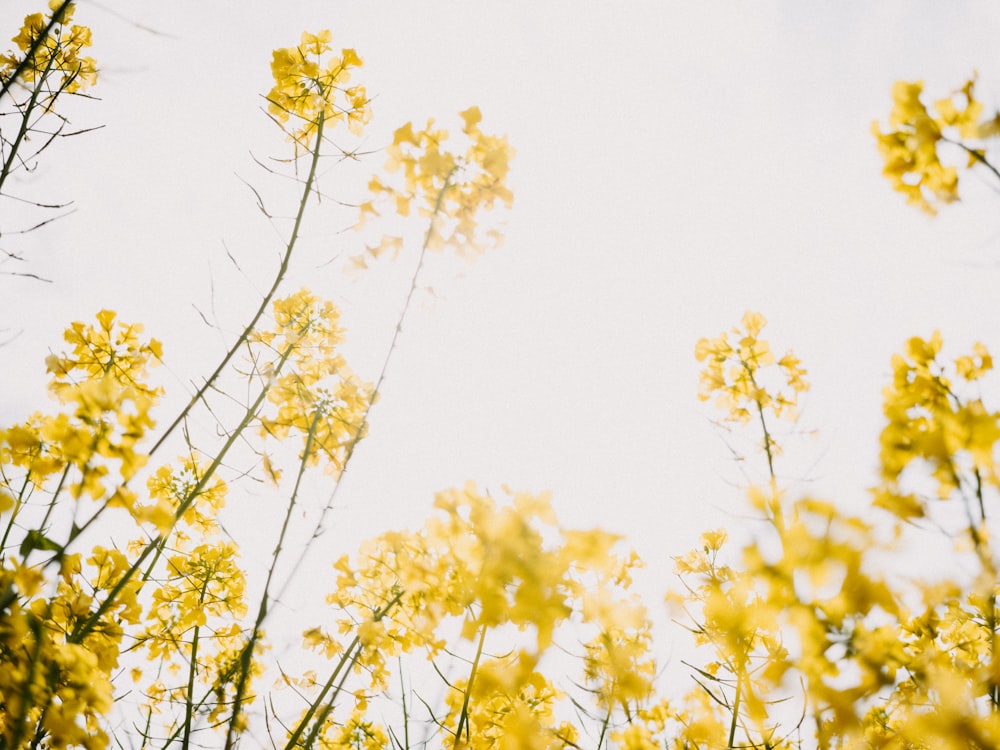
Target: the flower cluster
pixel 810 613
pixel 182 502
pixel 933 423
pixel 110 349
pixel 877 660
pixel 193 624
pixel 910 147
pixel 83 619
pixel 51 688
pixel 311 89
pixel 746 381
pixel 108 403
pixel 57 678
pixel 477 570
pixel 54 56
pixel 313 390
pixel 733 374
pixel 448 187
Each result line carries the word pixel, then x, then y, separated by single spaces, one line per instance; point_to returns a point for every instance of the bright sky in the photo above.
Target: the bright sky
pixel 677 163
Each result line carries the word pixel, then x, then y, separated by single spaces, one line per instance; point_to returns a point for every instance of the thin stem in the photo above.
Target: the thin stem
pixel 278 278
pixel 463 719
pixel 605 726
pixel 736 709
pixel 767 442
pixel 246 657
pixel 22 131
pixel 21 716
pixel 763 425
pixel 979 495
pixel 351 654
pixel 189 702
pixel 406 716
pixel 349 453
pixel 208 695
pixel 975 154
pixel 986 560
pixel 19 502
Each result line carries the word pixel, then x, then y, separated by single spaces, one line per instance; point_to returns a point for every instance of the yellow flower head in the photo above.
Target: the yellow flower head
pixel 933 425
pixel 314 392
pixel 735 373
pixel 310 89
pixel 910 148
pixel 453 188
pixel 55 63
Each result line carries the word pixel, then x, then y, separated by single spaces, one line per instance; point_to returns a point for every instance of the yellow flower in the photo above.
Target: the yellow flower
pixel 57 57
pixel 910 148
pixel 966 120
pixel 735 375
pixel 310 89
pixel 311 387
pixel 932 425
pixel 453 189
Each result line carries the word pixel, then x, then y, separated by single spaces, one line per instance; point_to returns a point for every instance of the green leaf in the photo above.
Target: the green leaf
pixel 37 540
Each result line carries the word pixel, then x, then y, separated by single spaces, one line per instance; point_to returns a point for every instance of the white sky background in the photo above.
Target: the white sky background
pixel 677 164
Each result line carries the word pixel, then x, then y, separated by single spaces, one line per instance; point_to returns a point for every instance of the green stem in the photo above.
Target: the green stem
pixel 399 323
pixel 246 657
pixel 189 700
pixel 463 719
pixel 406 716
pixel 279 277
pixel 975 154
pixel 19 501
pixel 736 709
pixel 25 126
pixel 349 453
pixel 198 706
pixel 605 725
pixel 763 422
pixel 27 700
pixel 351 654
pixel 147 729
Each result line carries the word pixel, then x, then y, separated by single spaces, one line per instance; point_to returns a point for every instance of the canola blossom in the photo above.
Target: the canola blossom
pixel 310 91
pixel 910 148
pixel 50 54
pixel 450 187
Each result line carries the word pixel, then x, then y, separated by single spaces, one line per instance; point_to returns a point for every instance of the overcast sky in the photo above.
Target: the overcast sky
pixel 677 163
